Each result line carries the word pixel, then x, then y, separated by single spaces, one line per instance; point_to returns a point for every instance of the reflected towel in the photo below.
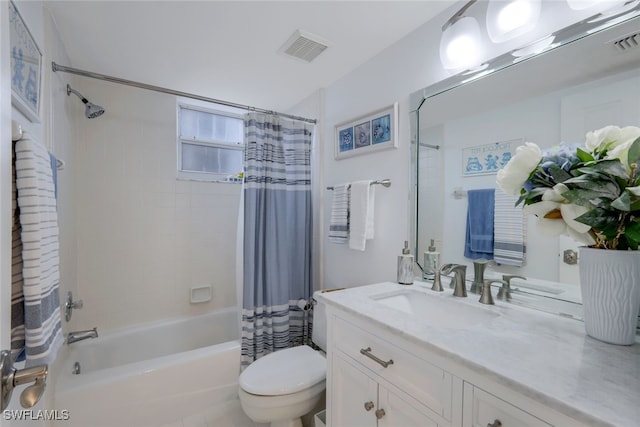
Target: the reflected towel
pixel 339 222
pixel 480 217
pixel 361 220
pixel 509 246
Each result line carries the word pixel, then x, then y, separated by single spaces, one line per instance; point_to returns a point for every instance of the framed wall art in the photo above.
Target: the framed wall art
pixel 373 132
pixel 26 67
pixel 489 158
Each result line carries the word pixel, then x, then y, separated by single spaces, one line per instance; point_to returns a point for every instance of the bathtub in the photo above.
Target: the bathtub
pixel 154 374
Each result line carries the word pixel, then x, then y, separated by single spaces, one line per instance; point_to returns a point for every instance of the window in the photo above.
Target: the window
pixel 210 144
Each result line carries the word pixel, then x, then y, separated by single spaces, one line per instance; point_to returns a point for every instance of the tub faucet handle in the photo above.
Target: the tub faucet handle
pixel 70 304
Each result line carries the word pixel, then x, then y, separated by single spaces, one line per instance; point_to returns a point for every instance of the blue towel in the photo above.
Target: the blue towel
pixel 480 213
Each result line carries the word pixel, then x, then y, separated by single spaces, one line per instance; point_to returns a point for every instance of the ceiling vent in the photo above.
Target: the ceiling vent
pixel 627 42
pixel 304 46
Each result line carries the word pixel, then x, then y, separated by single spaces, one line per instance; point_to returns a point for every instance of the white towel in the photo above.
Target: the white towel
pixel 361 206
pixel 339 223
pixel 509 231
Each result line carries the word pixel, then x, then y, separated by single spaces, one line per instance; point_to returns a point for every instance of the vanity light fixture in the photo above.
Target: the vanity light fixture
pixel 536 47
pixel 507 20
pixel 461 45
pixel 596 5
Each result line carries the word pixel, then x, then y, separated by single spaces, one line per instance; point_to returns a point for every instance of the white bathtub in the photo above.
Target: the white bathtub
pixel 152 375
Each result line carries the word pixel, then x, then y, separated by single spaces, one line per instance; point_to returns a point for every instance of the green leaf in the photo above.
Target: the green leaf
pixel 634 153
pixel 584 197
pixel 633 231
pixel 596 183
pixel 633 244
pixel 622 203
pixel 558 174
pixel 611 167
pixel 600 219
pixel 584 156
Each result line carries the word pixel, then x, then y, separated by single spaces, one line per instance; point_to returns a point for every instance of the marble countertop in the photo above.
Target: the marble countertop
pixel 543 356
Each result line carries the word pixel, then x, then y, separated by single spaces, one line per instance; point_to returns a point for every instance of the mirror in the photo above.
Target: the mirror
pixel 584 84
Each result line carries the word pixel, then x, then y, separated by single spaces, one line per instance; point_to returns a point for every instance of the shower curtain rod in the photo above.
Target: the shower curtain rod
pixel 57 67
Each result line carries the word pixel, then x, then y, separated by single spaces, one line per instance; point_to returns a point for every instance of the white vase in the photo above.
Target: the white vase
pixel 610 284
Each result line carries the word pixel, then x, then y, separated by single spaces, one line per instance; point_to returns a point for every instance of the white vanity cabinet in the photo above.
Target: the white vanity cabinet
pixel 483 409
pixel 360 401
pixel 455 367
pixel 373 382
pixel 376 379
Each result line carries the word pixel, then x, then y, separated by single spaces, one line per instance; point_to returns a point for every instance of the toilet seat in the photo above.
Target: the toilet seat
pixel 284 372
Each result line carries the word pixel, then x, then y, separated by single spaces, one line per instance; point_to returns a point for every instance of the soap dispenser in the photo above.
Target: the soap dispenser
pixel 431 261
pixel 405 266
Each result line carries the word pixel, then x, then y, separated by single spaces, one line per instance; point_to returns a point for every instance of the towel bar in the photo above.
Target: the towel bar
pixel 383 182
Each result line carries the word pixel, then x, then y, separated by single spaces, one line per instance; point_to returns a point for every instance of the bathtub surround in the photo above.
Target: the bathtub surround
pixel 40 257
pixel 277 234
pixel 151 375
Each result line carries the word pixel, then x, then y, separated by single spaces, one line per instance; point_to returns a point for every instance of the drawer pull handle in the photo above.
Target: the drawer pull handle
pixel 380 413
pixel 367 352
pixel 496 423
pixel 368 406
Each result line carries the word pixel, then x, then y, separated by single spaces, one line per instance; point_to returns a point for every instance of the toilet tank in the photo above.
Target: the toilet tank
pixel 319 331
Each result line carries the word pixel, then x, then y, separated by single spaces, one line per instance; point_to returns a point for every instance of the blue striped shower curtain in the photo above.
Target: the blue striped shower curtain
pixel 277 234
pixel 35 322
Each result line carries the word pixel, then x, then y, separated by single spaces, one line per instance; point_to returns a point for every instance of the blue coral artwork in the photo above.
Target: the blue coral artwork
pixel 346 139
pixel 372 132
pixel 381 129
pixel 363 135
pixel 488 158
pixel 26 63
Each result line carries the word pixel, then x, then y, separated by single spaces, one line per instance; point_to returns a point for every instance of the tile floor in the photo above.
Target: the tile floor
pixel 228 414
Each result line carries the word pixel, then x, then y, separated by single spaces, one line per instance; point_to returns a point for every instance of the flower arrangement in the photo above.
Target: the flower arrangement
pixel 589 193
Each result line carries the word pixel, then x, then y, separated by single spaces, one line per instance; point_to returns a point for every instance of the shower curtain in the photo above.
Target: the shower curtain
pixel 277 235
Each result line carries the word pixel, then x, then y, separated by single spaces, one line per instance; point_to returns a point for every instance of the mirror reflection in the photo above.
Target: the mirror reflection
pixel 464 135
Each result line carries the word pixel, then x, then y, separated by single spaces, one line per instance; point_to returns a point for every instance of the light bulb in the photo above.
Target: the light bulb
pixel 509 19
pixel 460 45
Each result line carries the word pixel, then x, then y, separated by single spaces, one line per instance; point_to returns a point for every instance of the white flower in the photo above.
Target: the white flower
pixel 615 140
pixel 512 177
pixel 556 216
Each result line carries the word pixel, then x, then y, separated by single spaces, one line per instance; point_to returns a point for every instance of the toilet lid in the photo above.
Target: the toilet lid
pixel 284 372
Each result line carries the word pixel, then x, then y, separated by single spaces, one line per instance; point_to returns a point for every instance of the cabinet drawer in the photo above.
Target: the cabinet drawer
pixel 420 379
pixel 482 409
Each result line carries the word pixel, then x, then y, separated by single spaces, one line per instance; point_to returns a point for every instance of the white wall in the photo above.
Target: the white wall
pixel 144 237
pixel 389 77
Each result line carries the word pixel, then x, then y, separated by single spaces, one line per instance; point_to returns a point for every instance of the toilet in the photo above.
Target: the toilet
pixel 284 385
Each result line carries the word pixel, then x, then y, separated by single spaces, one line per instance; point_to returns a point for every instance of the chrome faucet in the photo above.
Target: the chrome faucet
pixel 505 291
pixel 81 335
pixel 479 266
pixel 459 278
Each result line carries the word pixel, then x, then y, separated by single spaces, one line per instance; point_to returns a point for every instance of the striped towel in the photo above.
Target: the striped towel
pixel 339 223
pixel 509 241
pixel 17 282
pixel 40 251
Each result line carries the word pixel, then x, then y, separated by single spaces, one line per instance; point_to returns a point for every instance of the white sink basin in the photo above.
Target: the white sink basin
pixel 440 309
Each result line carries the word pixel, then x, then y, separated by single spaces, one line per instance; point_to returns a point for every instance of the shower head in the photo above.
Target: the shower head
pixel 91 110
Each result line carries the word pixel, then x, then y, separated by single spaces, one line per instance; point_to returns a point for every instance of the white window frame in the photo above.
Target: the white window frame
pixel 202 107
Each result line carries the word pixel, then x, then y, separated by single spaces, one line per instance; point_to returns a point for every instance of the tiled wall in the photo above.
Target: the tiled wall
pixel 144 237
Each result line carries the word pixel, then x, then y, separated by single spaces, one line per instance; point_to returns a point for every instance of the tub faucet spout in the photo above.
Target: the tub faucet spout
pixel 81 335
